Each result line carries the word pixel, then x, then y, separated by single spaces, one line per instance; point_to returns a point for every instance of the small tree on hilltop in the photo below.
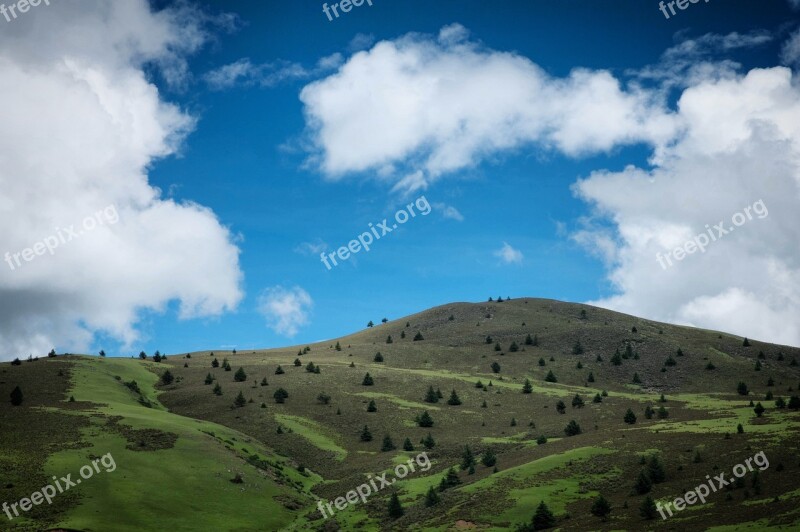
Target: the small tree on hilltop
pixel 425 420
pixel 371 407
pixel 489 459
pixel 378 357
pixel 240 401
pixel 430 396
pixel 572 428
pixel 577 401
pixel 389 339
pixel 279 370
pixel 215 363
pixel 370 324
pixel 209 379
pixel 431 498
pixel 297 363
pixel 280 395
pixel 454 400
pixel 551 377
pixel 527 387
pixel 601 507
pixel 240 375
pixel 367 380
pixel 467 458
pixel 16 396
pixel 387 444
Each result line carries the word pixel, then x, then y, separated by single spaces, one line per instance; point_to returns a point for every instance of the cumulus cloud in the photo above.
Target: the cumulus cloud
pixel 286 309
pixel 423 106
pixel 740 145
pixel 80 127
pixel 509 255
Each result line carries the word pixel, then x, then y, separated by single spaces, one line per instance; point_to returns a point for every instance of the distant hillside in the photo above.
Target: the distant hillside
pixel 179 446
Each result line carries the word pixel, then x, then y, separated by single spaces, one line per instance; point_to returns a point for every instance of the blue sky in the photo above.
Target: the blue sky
pixel 296 132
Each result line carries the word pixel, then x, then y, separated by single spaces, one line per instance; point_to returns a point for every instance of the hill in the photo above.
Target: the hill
pixel 189 458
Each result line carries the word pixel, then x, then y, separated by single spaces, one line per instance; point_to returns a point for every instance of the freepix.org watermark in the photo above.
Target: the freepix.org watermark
pixel 344 5
pixel 22 6
pixel 49 492
pixel 682 4
pixel 713 485
pixel 366 239
pixel 702 240
pixel 50 243
pixel 368 488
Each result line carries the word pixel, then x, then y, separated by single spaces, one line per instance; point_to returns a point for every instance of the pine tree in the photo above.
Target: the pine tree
pixel 527 387
pixel 616 359
pixel 240 401
pixel 528 340
pixel 428 442
pixel 450 479
pixel 418 337
pixel 746 342
pixel 579 365
pixel 264 382
pixel 167 377
pixel 577 401
pixel 636 379
pixel 597 398
pixel 16 396
pixel 371 406
pixel 543 518
pixel 489 459
pixel 454 400
pixel 759 409
pixel 648 412
pixel 643 483
pixel 430 396
pixel 387 445
pixel 297 363
pixel 279 371
pixel 561 407
pixel 572 428
pixel 656 470
pixel 280 395
pixel 367 380
pixel 550 377
pixel 489 340
pixel 215 363
pixel 577 349
pixel 217 389
pixel 600 507
pixel 513 348
pixel 389 339
pixel 338 346
pixel 407 445
pixel 431 498
pixel 495 367
pixel 310 367
pixel 366 435
pixel 425 420
pixel 742 388
pixel 591 377
pixel 441 396
pixel 378 357
pixel 535 340
pixel 541 362
pixel 395 508
pixel 648 508
pixel 630 417
pixel 240 375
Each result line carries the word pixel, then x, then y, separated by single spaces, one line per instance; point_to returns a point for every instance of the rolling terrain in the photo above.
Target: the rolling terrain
pixel 190 458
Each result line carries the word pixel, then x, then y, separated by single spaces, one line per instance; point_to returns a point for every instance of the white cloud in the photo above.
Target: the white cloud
pixel 790 54
pixel 449 212
pixel 245 73
pixel 286 309
pixel 509 255
pixel 80 127
pixel 311 248
pixel 741 144
pixel 423 107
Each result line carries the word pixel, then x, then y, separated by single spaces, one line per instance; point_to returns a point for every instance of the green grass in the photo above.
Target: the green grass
pixel 313 432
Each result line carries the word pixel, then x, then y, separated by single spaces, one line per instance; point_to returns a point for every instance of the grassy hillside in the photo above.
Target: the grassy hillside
pixel 178 446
